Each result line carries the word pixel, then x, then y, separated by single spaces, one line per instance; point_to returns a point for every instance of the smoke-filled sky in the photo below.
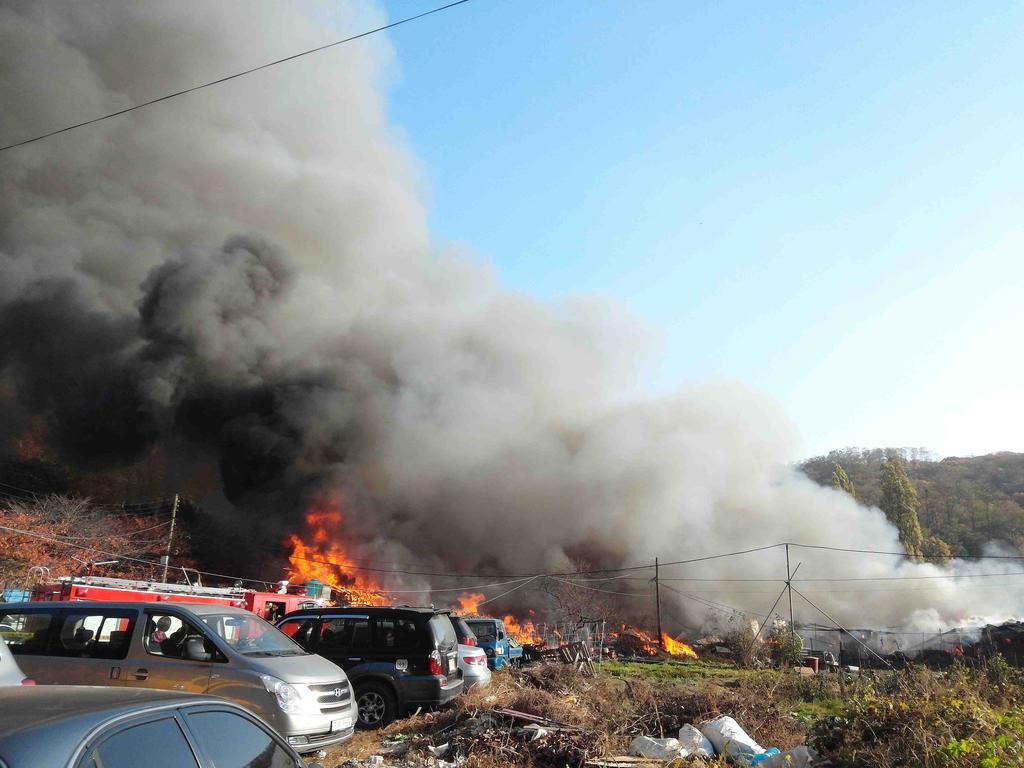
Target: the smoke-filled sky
pixel 243 280
pixel 821 200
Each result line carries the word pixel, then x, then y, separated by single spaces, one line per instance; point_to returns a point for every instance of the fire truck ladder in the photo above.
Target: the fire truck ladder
pixel 151 586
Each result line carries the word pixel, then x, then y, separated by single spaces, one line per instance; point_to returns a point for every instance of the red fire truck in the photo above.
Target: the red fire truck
pixel 269 605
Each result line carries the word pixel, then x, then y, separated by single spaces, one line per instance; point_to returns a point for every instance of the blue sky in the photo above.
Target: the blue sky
pixel 822 200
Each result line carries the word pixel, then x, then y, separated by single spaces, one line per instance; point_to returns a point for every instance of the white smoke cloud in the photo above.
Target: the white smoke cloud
pixel 249 267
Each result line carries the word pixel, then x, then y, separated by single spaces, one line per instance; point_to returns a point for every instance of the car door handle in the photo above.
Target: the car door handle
pixel 140 674
pixel 355 658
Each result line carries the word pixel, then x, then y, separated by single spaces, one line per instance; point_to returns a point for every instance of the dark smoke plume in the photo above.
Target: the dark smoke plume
pixel 241 280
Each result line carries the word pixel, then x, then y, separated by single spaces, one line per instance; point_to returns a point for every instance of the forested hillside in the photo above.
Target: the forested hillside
pixel 965 502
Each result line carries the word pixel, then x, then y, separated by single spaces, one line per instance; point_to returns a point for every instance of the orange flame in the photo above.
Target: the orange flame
pixel 677 648
pixel 524 632
pixel 646 643
pixel 638 641
pixel 326 558
pixel 468 603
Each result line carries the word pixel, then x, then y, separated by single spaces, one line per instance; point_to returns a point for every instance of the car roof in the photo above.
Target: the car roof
pixel 426 610
pixel 78 707
pixel 201 609
pixel 47 724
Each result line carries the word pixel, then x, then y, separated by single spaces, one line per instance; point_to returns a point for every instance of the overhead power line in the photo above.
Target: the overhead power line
pixel 948 576
pixel 596 589
pixel 904 554
pixel 355 566
pixel 234 76
pixel 451 589
pixel 711 603
pixel 508 592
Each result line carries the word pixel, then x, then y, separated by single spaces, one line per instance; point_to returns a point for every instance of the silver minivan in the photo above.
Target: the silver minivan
pixel 194 647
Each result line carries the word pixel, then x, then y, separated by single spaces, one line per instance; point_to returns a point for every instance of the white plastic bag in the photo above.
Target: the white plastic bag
pixel 695 742
pixel 663 749
pixel 727 736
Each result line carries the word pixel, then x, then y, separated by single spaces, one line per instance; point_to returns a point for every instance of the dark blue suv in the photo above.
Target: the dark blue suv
pixel 397 659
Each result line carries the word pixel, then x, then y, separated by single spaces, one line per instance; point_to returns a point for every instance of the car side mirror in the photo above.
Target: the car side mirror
pixel 196 650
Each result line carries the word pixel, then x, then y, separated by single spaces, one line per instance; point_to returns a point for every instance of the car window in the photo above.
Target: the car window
pixel 27 634
pixel 233 741
pixel 252 636
pixel 340 635
pixel 169 635
pixel 95 633
pixel 299 629
pixel 484 630
pixel 442 629
pixel 157 744
pixel 395 632
pixel 274 610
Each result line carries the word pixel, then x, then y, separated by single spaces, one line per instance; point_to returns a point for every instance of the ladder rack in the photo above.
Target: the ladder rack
pixel 150 586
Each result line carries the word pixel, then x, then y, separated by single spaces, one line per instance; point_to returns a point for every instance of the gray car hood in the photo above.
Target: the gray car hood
pixel 309 669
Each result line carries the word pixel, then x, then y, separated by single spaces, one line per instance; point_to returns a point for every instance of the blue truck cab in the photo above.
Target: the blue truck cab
pixel 493 638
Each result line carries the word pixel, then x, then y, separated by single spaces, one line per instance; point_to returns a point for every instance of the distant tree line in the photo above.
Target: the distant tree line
pixel 953 506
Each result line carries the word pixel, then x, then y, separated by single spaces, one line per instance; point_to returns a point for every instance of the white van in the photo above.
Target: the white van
pixel 192 647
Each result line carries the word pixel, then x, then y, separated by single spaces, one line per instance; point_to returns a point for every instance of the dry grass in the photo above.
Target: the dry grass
pixel 604 714
pixel 905 719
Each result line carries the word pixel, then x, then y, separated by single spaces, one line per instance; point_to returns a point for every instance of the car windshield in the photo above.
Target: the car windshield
pixel 252 636
pixel 484 630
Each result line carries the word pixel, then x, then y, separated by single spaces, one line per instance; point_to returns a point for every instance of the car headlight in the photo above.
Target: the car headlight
pixel 289 698
pixel 489 651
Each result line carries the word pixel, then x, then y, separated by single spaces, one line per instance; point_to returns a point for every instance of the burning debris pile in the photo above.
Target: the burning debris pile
pixel 633 641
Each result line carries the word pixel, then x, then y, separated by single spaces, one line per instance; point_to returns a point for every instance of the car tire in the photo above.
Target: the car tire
pixel 376 705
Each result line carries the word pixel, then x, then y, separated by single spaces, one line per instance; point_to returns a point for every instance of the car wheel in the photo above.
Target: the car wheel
pixel 376 705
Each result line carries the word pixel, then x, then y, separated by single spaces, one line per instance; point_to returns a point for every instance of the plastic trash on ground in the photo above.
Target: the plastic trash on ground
pixel 759 759
pixel 797 757
pixel 534 732
pixel 695 742
pixel 663 749
pixel 727 737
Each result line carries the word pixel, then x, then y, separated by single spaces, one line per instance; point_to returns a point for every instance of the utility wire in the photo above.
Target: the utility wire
pixel 771 610
pixel 407 572
pixel 232 77
pixel 124 557
pixel 950 576
pixel 711 603
pixel 450 589
pixel 229 577
pixel 121 535
pixel 509 592
pixel 595 589
pixel 629 568
pixel 904 554
pixel 841 627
